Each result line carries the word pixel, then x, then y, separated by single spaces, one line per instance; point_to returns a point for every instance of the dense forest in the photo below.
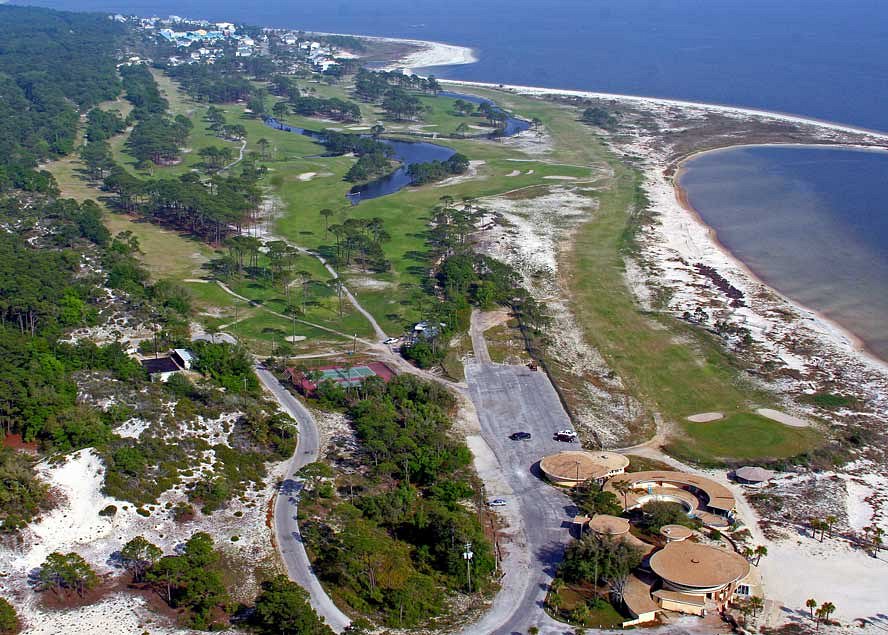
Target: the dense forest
pixel 53 66
pixel 408 510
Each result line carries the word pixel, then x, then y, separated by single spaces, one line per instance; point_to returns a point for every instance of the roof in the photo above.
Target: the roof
pixel 754 474
pixel 719 496
pixel 184 354
pixel 609 525
pixel 676 532
pixel 580 465
pixel 159 365
pixel 681 598
pixel 637 596
pixel 692 565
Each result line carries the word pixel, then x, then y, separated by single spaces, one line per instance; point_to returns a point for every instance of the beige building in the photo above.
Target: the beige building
pixel 713 504
pixel 572 467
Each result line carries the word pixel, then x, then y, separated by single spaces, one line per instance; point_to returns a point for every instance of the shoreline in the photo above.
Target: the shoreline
pixel 429 55
pixel 832 327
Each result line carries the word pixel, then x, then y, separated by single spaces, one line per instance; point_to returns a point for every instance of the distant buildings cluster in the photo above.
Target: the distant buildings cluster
pixel 202 41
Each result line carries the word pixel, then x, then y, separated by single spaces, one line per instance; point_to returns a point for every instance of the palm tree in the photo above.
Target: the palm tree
pixel 756 604
pixel 623 487
pixel 760 551
pixel 827 609
pixel 811 604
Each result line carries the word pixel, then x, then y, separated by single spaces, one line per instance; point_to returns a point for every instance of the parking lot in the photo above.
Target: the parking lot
pixel 511 399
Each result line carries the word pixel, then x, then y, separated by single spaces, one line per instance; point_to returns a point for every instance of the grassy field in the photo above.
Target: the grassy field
pixel 742 436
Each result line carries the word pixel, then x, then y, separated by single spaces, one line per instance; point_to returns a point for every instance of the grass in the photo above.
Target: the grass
pixel 742 436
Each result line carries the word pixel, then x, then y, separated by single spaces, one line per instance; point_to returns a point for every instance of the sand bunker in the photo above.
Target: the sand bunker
pixel 706 417
pixel 307 176
pixel 514 173
pixel 782 417
pixel 560 178
pixel 294 338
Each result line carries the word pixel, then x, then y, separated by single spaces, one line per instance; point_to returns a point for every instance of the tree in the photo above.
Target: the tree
pixel 280 110
pixel 138 556
pixel 326 213
pixel 827 609
pixel 9 621
pixel 263 145
pixel 760 551
pixel 282 608
pixel 623 487
pixel 67 572
pixel 756 603
pixel 830 521
pixel 811 603
pixel 377 130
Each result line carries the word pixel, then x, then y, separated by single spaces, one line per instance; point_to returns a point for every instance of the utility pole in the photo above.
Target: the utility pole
pixel 355 344
pixel 467 555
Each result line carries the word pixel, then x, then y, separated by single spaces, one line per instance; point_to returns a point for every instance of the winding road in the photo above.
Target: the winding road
pixel 286 527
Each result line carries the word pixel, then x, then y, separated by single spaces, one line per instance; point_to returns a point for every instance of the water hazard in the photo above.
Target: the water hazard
pixel 408 153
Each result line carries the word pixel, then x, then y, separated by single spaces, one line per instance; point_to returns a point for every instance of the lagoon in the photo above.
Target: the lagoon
pixel 811 222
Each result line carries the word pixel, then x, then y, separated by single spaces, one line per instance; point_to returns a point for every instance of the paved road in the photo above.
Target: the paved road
pixel 286 529
pixel 509 399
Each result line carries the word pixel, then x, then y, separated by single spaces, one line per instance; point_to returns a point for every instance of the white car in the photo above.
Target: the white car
pixel 497 502
pixel 392 340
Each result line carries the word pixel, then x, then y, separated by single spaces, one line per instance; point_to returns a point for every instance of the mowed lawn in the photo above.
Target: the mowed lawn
pixel 742 436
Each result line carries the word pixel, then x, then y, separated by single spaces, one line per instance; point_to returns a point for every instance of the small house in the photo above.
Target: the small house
pixel 183 357
pixel 160 368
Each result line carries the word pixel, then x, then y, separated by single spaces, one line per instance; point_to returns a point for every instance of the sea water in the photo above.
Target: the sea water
pixel 812 222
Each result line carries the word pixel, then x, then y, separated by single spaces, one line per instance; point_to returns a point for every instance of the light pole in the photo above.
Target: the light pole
pixel 467 556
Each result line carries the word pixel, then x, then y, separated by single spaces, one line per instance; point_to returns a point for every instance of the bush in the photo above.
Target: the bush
pixel 9 621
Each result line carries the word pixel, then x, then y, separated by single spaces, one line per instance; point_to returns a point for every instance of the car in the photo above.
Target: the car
pixel 392 340
pixel 568 436
pixel 520 436
pixel 497 502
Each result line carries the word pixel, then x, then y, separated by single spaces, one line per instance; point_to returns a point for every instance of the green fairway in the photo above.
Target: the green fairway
pixel 742 436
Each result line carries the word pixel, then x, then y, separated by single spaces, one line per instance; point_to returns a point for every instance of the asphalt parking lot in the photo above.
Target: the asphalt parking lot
pixel 512 399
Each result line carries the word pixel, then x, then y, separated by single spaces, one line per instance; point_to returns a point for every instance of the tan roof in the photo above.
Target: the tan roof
pixel 676 532
pixel 691 564
pixel 637 596
pixel 609 525
pixel 563 466
pixel 720 497
pixel 683 598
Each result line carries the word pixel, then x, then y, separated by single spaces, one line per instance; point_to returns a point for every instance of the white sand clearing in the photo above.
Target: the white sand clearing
pixel 706 417
pixel 782 417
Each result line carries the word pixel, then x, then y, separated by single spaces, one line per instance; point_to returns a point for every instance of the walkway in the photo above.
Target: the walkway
pixel 286 528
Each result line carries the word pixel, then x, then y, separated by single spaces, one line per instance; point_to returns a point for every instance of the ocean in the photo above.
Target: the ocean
pixel 826 59
pixel 811 222
pixel 808 222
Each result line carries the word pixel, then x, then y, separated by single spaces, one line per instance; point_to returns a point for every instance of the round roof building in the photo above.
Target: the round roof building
pixel 689 567
pixel 605 525
pixel 675 533
pixel 750 474
pixel 572 467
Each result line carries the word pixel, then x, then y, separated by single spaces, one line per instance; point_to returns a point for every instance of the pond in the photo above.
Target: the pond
pixel 408 153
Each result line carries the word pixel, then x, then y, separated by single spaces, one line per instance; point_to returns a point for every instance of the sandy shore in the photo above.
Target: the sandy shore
pixel 835 330
pixel 430 54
